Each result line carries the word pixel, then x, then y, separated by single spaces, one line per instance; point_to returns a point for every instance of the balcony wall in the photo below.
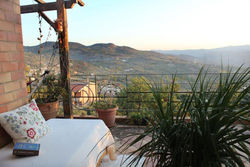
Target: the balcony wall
pixel 13 91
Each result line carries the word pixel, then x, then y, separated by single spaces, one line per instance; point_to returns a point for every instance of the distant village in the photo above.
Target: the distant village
pixel 84 92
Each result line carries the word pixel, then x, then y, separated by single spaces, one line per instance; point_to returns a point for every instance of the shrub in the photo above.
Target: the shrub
pixel 211 137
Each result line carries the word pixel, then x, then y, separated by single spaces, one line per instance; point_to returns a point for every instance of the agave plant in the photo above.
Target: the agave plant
pixel 210 137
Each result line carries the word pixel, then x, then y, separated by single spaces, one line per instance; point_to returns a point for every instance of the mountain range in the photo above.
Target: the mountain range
pixel 106 58
pixel 109 58
pixel 231 55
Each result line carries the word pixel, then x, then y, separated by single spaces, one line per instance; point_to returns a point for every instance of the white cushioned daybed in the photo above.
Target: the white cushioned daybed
pixel 69 143
pixel 63 142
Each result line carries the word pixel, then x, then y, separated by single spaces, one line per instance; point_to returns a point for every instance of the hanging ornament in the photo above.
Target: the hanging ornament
pixel 59 25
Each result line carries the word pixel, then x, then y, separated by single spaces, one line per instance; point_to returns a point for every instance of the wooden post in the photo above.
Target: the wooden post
pixel 60 6
pixel 64 58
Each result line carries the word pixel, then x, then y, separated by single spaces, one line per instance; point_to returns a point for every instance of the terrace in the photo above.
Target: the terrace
pixel 134 98
pixel 172 118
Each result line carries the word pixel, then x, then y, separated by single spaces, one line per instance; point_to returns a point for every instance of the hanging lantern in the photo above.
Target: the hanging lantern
pixel 59 25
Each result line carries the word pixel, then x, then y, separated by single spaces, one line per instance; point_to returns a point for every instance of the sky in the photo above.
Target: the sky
pixel 150 24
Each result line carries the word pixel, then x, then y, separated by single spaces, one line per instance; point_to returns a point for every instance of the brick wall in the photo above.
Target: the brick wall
pixel 13 91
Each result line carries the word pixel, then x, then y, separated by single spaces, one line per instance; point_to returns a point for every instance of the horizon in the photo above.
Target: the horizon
pixel 145 50
pixel 150 25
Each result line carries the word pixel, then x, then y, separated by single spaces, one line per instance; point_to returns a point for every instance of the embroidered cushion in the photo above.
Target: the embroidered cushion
pixel 24 124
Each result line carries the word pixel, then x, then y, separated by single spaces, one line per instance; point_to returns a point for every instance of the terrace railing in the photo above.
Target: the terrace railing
pixel 129 91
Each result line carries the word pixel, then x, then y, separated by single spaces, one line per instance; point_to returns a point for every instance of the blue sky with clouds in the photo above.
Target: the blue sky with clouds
pixel 151 24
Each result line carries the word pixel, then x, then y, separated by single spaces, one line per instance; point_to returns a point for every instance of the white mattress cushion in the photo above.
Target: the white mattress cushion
pixel 69 143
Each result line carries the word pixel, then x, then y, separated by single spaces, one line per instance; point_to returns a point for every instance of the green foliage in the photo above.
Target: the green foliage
pixel 104 104
pixel 49 91
pixel 140 118
pixel 79 112
pixel 211 138
pixel 135 99
pixel 139 96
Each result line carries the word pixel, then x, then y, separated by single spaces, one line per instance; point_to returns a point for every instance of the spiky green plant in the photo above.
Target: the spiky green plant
pixel 210 138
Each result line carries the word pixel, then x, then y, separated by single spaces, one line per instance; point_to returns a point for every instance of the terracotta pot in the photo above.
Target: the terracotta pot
pixel 49 110
pixel 108 116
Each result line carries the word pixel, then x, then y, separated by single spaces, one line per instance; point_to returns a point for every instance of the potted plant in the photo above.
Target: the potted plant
pixel 47 96
pixel 106 109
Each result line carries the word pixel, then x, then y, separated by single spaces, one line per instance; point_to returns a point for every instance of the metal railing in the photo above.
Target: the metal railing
pixel 129 91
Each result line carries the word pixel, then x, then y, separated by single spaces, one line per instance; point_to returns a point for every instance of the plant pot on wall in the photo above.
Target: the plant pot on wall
pixel 47 96
pixel 108 116
pixel 49 110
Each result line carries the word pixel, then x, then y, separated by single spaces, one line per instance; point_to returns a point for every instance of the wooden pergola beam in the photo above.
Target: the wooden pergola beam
pixel 45 17
pixel 64 59
pixel 38 8
pixel 60 6
pixel 39 1
pixel 79 2
pixel 42 7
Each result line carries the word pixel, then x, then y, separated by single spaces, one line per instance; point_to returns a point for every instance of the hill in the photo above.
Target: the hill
pixel 109 58
pixel 232 55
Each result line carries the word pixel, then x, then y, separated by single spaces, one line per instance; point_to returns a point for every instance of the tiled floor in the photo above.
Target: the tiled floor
pixel 123 133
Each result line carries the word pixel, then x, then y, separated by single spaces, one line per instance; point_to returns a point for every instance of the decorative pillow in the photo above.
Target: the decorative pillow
pixel 24 124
